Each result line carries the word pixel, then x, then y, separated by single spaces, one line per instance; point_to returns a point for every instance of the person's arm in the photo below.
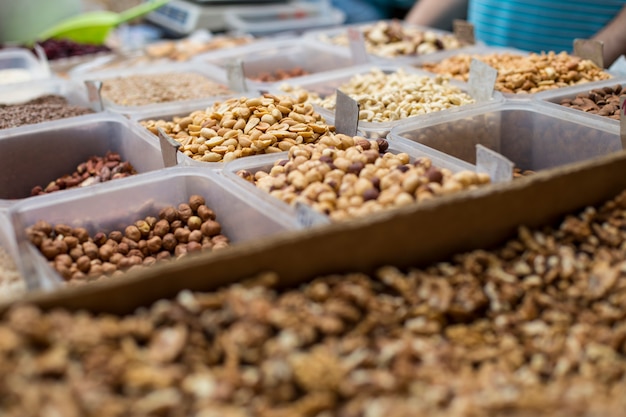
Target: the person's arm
pixel 437 13
pixel 614 37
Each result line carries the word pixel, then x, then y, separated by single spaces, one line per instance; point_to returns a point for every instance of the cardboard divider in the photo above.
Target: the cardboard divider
pixel 410 236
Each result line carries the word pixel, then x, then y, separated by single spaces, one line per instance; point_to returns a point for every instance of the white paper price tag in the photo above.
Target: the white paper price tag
pixel 464 31
pixel 482 80
pixel 169 149
pixel 499 168
pixel 346 114
pixel 236 77
pixel 93 95
pixel 591 50
pixel 357 47
pixel 307 217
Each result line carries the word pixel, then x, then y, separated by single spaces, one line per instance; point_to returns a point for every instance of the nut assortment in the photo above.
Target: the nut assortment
pixel 95 170
pixel 393 39
pixel 178 231
pixel 386 97
pixel 533 327
pixel 280 74
pixel 346 177
pixel 241 127
pixel 12 284
pixel 40 109
pixel 144 89
pixel 520 74
pixel 601 101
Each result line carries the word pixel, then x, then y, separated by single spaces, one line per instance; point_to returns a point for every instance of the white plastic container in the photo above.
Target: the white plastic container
pixel 37 154
pixel 112 206
pixel 18 67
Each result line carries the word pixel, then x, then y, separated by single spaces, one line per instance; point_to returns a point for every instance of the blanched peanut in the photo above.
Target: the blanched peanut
pixel 241 127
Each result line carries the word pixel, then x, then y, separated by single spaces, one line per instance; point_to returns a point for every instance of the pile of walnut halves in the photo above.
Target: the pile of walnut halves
pixel 533 328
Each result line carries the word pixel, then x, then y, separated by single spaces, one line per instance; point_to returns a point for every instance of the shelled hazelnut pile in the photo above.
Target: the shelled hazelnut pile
pixel 79 257
pixel 533 327
pixel 346 177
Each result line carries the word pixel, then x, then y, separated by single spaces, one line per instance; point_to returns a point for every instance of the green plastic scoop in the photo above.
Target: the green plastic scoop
pixel 93 27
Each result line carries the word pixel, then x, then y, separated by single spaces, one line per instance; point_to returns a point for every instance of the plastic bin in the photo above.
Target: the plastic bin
pixel 206 70
pixel 553 99
pixel 265 163
pixel 19 65
pixel 337 38
pixel 241 216
pixel 17 285
pixel 531 134
pixel 327 83
pixel 266 57
pixel 37 154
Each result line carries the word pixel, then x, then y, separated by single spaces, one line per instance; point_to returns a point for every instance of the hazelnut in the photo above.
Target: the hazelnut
pixel 149 260
pixel 122 248
pixel 161 228
pixel 105 252
pixel 116 258
pixel 176 224
pixel 116 236
pixel 61 245
pixel 64 259
pixel 64 271
pixel 169 214
pixel 194 223
pixel 220 245
pixel 169 242
pixel 62 229
pixel 182 235
pixel 206 213
pixel 383 145
pixel 184 212
pixel 180 250
pixel 50 249
pixel 36 237
pixel 143 227
pixel 135 260
pixel 135 252
pixel 434 175
pixel 151 220
pixel 154 244
pixel 163 255
pixel 76 252
pixel 133 233
pixel 71 241
pixel 90 249
pixel 108 268
pixel 100 238
pixel 131 243
pixel 195 236
pixel 78 276
pixel 196 201
pixel 142 245
pixel 194 247
pixel 43 226
pixel 95 270
pixel 218 239
pixel 211 228
pixel 83 263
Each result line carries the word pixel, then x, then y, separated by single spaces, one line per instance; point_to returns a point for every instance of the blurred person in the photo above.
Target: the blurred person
pixel 533 25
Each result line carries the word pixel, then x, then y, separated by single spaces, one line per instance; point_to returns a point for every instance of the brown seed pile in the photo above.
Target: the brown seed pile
pixel 600 101
pixel 144 89
pixel 95 170
pixel 40 109
pixel 79 257
pixel 393 39
pixel 346 177
pixel 280 74
pixel 520 74
pixel 533 328
pixel 12 284
pixel 244 126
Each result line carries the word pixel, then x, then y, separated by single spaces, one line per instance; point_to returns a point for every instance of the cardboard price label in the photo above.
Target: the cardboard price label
pixel 236 77
pixel 94 96
pixel 169 149
pixel 346 114
pixel 464 31
pixel 357 47
pixel 482 80
pixel 591 50
pixel 499 168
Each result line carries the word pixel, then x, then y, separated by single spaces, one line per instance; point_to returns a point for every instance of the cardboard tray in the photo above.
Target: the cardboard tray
pixel 409 236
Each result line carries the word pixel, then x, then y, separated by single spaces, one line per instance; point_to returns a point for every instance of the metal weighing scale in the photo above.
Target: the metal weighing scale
pixel 181 17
